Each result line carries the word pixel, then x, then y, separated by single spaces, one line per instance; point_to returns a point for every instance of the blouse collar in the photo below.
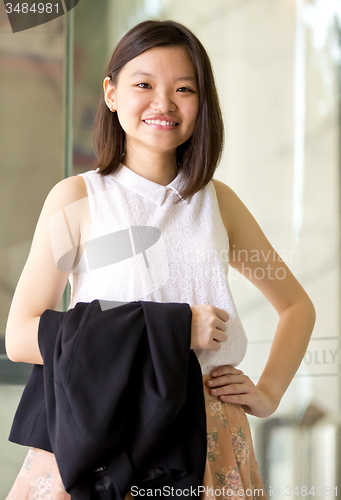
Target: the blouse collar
pixel 145 187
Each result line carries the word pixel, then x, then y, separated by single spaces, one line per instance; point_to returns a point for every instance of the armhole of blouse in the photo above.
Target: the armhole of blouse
pixel 85 238
pixel 216 203
pixel 89 196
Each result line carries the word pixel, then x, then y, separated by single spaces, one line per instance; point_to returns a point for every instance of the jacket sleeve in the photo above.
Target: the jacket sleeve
pixel 29 427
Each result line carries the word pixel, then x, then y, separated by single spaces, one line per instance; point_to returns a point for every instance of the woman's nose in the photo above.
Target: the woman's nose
pixel 163 103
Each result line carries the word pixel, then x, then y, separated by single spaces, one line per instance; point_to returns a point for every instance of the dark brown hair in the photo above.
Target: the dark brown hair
pixel 198 157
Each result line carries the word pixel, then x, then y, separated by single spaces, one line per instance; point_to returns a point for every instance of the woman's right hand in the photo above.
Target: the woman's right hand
pixel 208 327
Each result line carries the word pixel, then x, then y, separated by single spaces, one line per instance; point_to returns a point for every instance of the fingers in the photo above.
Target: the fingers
pixel 208 327
pixel 225 370
pixel 237 387
pixel 227 380
pixel 219 336
pixel 238 399
pixel 221 313
pixel 215 344
pixel 220 325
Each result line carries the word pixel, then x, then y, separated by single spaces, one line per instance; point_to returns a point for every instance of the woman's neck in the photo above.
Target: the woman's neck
pixel 159 168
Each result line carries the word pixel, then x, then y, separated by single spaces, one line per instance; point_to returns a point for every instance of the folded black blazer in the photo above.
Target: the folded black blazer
pixel 120 392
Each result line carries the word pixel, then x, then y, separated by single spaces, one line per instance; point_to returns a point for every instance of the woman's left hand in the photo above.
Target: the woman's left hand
pixel 232 386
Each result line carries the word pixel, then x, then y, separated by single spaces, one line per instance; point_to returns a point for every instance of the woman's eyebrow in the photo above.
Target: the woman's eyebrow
pixel 145 73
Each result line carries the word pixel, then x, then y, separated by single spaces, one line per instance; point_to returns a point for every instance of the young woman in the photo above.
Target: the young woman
pixel 159 137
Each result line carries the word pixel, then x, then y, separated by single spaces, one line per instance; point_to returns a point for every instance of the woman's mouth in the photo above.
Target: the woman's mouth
pixel 163 123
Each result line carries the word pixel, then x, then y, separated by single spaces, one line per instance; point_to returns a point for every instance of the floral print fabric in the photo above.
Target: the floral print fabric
pixel 231 470
pixel 38 478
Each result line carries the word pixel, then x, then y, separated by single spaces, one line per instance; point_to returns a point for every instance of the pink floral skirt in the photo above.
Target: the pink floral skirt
pixel 231 471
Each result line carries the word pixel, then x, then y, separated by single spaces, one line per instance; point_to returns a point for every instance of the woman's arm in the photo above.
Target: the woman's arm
pixel 295 310
pixel 41 283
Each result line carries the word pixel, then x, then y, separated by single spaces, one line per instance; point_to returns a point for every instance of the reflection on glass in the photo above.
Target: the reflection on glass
pixel 31 107
pixel 278 67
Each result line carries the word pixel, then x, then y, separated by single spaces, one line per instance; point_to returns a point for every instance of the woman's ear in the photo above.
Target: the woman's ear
pixel 109 91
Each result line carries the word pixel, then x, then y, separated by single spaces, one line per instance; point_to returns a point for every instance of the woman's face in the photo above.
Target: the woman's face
pixel 156 99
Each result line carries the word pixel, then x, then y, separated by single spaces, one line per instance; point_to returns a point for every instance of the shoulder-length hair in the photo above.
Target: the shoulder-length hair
pixel 198 157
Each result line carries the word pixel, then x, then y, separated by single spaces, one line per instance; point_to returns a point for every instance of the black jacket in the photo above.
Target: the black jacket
pixel 120 391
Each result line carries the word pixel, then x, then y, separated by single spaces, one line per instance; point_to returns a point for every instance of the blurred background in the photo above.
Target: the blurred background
pixel 277 65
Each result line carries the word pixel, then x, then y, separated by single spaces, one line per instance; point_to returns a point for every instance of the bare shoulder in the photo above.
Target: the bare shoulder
pixel 223 190
pixel 67 191
pixel 67 203
pixel 238 220
pixel 228 203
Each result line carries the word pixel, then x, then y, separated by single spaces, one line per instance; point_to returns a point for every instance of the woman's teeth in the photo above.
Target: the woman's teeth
pixel 159 122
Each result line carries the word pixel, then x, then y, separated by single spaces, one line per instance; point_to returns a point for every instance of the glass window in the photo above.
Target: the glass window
pixel 277 66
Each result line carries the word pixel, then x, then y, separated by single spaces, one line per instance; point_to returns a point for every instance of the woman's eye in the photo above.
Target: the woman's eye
pixel 143 85
pixel 184 89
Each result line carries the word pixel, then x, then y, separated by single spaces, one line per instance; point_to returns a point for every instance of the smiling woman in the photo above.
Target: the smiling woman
pixel 157 115
pixel 159 136
pixel 179 80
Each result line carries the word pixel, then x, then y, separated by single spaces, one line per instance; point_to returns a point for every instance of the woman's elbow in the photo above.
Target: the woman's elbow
pixel 12 351
pixel 309 309
pixel 22 355
pixel 23 349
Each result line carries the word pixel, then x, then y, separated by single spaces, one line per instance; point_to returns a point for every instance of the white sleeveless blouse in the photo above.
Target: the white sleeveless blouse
pixel 143 246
